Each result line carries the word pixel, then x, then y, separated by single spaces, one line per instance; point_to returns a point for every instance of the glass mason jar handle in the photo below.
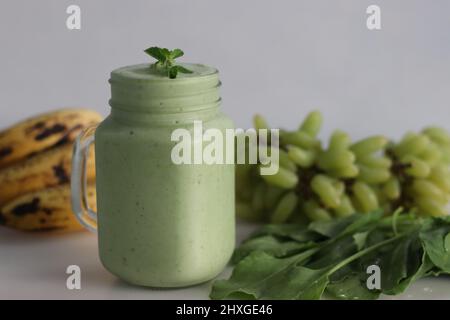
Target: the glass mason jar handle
pixel 85 215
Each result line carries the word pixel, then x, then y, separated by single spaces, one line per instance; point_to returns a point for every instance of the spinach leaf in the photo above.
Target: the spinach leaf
pixel 433 236
pixel 263 276
pixel 289 232
pixel 333 252
pixel 348 225
pixel 399 263
pixel 294 262
pixel 272 246
pixel 352 287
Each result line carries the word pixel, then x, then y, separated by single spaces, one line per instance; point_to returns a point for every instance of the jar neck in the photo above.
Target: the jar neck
pixel 142 90
pixel 133 118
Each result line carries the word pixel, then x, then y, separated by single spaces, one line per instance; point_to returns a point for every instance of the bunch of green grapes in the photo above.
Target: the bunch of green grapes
pixel 421 179
pixel 318 183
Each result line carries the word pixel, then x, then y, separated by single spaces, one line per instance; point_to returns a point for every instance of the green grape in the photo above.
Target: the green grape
pixel 259 122
pixel 413 144
pixel 286 161
pixel 440 175
pixel 338 160
pixel 315 213
pixel 350 171
pixel 283 178
pixel 418 168
pixel 439 135
pixel 373 175
pixel 345 208
pixel 299 139
pixel 392 189
pixel 332 159
pixel 312 123
pixel 339 187
pixel 374 162
pixel 245 211
pixel 258 197
pixel 356 204
pixel 431 207
pixel 302 158
pixel 365 196
pixel 324 187
pixel 428 189
pixel 272 197
pixel 369 145
pixel 431 155
pixel 445 152
pixel 339 141
pixel 285 208
pixel 413 173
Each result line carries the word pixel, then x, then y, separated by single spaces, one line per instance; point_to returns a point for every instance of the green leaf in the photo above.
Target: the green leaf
pixel 360 239
pixel 166 61
pixel 173 72
pixel 447 243
pixel 434 238
pixel 176 53
pixel 398 261
pixel 183 69
pixel 165 52
pixel 425 269
pixel 348 225
pixel 394 220
pixel 333 252
pixel 288 231
pixel 270 245
pixel 352 287
pixel 156 53
pixel 291 262
pixel 265 277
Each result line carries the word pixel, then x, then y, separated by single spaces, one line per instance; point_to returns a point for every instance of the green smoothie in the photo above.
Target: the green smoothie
pixel 162 224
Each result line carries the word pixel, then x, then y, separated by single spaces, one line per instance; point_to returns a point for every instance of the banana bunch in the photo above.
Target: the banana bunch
pixel 320 183
pixel 35 169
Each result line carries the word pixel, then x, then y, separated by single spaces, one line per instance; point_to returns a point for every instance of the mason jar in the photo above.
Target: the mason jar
pixel 160 223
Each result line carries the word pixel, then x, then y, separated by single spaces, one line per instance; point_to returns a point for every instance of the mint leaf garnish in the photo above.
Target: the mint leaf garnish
pixel 166 61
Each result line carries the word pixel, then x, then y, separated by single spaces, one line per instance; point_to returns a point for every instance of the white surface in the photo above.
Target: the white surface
pixel 33 267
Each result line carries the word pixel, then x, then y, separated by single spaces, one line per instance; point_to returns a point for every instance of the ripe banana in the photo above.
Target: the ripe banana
pixel 44 170
pixel 43 132
pixel 45 210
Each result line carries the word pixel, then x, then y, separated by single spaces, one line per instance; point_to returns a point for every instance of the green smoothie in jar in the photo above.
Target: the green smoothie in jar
pixel 162 224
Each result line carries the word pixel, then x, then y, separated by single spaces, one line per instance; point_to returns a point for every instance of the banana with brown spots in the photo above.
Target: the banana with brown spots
pixel 43 132
pixel 44 170
pixel 44 210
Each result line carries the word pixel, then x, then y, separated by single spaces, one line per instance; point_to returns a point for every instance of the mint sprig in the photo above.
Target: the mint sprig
pixel 166 61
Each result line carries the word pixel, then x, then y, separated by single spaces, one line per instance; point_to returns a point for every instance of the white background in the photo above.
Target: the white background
pixel 278 58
